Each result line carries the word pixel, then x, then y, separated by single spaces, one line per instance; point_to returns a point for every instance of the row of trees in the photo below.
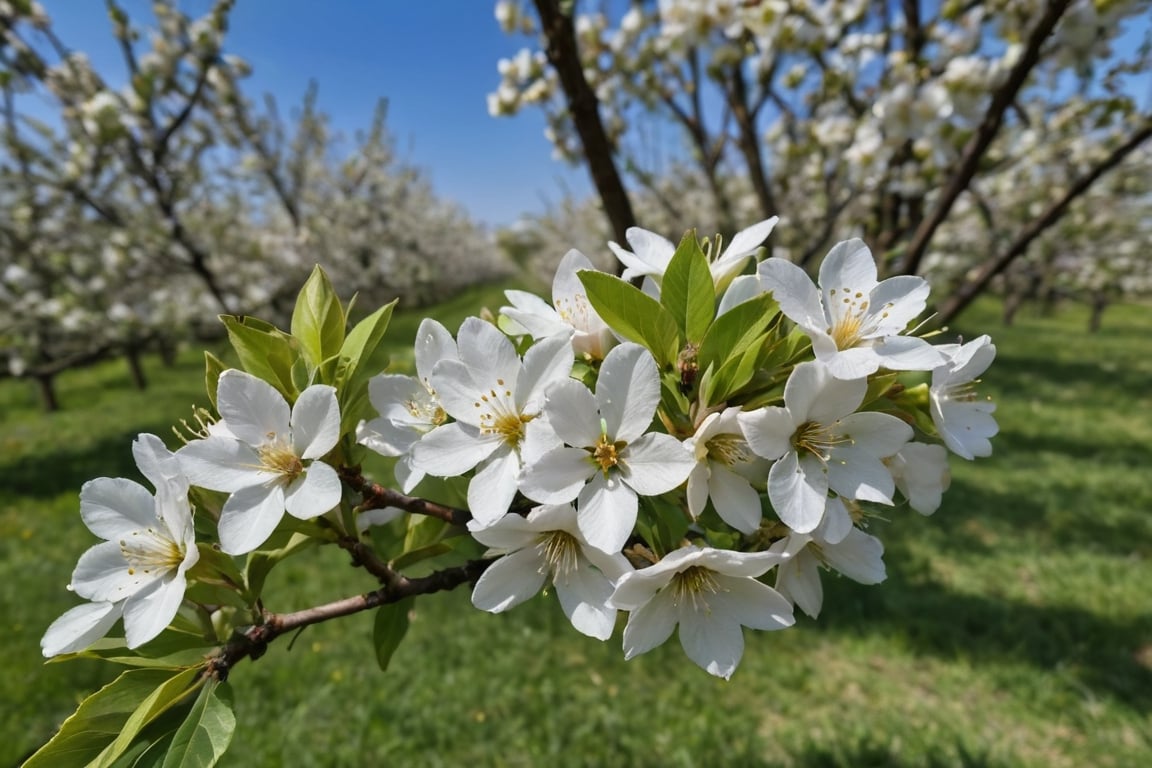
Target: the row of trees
pixel 132 215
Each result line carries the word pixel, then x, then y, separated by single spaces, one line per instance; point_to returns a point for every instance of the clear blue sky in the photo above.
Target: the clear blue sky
pixel 434 60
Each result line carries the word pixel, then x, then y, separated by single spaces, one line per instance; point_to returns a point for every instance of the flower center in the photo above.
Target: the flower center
pixel 500 416
pixel 277 456
pixel 607 453
pixel 574 310
pixel 693 585
pixel 961 392
pixel 729 450
pixel 147 551
pixel 817 439
pixel 561 554
pixel 428 411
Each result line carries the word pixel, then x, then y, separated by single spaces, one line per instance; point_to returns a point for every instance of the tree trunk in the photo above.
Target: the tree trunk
pixel 46 383
pixel 1012 303
pixel 135 368
pixel 1099 304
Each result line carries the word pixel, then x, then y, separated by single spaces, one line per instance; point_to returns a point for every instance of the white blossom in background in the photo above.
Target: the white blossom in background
pixel 710 594
pixel 853 321
pixel 724 472
pixel 139 571
pixel 610 457
pixel 963 418
pixel 570 312
pixel 496 400
pixel 409 407
pixel 547 547
pixel 819 443
pixel 268 458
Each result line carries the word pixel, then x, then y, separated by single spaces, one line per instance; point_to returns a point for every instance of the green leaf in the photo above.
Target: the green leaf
pixel 206 732
pixel 633 314
pixel 318 319
pixel 171 650
pixel 261 563
pixel 155 704
pixel 389 630
pixel 213 367
pixel 92 729
pixel 351 372
pixel 736 372
pixel 736 329
pixel 687 290
pixel 264 351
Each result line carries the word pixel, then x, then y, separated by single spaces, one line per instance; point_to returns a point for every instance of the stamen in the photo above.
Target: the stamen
pixel 693 585
pixel 561 554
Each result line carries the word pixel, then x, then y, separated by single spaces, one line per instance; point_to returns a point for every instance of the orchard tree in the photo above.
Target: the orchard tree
pixel 888 115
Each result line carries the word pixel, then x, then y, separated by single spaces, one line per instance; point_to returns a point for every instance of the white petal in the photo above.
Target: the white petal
pixel 741 289
pixel 897 301
pixel 537 317
pixel 636 588
pixel 907 353
pixel 113 507
pixel 147 613
pixel 794 291
pixel 748 240
pixel 768 431
pixel 855 474
pixel 628 391
pixel 483 347
pixel 452 450
pixel 388 389
pixel 510 581
pixel 837 522
pixel 315 422
pixel 571 410
pixel 385 438
pixel 547 362
pixel 557 476
pixel 880 434
pixel 252 408
pixel 156 462
pixel 493 487
pixel 650 625
pixel 799 581
pixel 79 627
pixel 798 490
pixel 513 531
pixel 752 603
pixel 433 344
pixel 848 266
pixel 813 394
pixel 222 464
pixel 249 517
pixel 314 493
pixel 697 492
pixel 606 513
pixel 736 501
pixel 714 641
pixel 850 364
pixel 655 464
pixel 584 598
pixel 859 557
pixel 102 574
pixel 459 391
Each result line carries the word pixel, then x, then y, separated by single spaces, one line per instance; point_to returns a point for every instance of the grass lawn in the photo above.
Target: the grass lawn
pixel 1015 627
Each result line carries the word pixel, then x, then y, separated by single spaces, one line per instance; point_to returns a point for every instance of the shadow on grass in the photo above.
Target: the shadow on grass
pixel 867 752
pixel 1094 656
pixel 67 469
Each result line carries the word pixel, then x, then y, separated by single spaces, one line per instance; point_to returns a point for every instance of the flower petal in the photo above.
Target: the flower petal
pixel 315 422
pixel 510 581
pixel 628 391
pixel 713 640
pixel 736 501
pixel 860 557
pixel 849 266
pixel 897 301
pixel 650 625
pixel 156 462
pixel 907 353
pixel 452 449
pixel 493 487
pixel 79 627
pixel 483 347
pixel 547 362
pixel 879 434
pixel 752 603
pixel 251 408
pixel 222 464
pixel 102 574
pixel 856 474
pixel 571 410
pixel 433 344
pixel 557 476
pixel 148 612
pixel 584 597
pixel 249 517
pixel 768 430
pixel 114 507
pixel 799 581
pixel 606 513
pixel 655 464
pixel 314 493
pixel 794 291
pixel 798 490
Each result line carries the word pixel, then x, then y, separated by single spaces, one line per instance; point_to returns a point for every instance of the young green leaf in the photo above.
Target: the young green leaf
pixel 389 629
pixel 318 319
pixel 206 732
pixel 213 367
pixel 732 332
pixel 164 697
pixel 264 351
pixel 633 314
pixel 687 290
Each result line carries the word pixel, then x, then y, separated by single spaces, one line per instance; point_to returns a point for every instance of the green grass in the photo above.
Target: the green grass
pixel 1015 627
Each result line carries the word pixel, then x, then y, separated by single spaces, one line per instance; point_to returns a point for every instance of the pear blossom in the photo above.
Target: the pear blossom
pixel 964 420
pixel 496 400
pixel 608 459
pixel 409 407
pixel 139 571
pixel 547 546
pixel 710 593
pixel 569 311
pixel 724 466
pixel 921 474
pixel 266 455
pixel 819 444
pixel 651 253
pixel 853 321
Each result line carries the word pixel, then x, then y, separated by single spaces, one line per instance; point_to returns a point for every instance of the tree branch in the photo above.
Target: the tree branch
pixel 376 496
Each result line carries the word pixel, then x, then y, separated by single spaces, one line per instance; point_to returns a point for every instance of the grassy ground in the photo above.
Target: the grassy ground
pixel 1015 627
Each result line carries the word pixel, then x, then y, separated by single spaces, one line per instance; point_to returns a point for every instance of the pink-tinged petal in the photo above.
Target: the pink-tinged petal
pixel 433 344
pixel 147 613
pixel 855 474
pixel 849 266
pixel 896 302
pixel 557 476
pixel 606 513
pixel 814 394
pixel 547 362
pixel 249 517
pixel 537 317
pixel 510 581
pixel 79 627
pixel 697 491
pixel 650 625
pixel 794 291
pixel 628 391
pixel 452 450
pixel 736 501
pixel 252 408
pixel 798 490
pixel 102 574
pixel 859 556
pixel 315 422
pixel 751 603
pixel 837 522
pixel 492 489
pixel 571 410
pixel 799 581
pixel 746 241
pixel 459 391
pixel 879 434
pixel 314 493
pixel 907 353
pixel 112 507
pixel 156 462
pixel 483 347
pixel 713 640
pixel 768 431
pixel 584 597
pixel 850 364
pixel 222 464
pixel 655 464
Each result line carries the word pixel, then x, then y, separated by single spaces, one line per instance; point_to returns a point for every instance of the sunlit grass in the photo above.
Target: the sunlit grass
pixel 1015 627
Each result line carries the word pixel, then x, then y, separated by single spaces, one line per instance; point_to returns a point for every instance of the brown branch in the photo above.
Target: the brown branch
pixel 376 496
pixel 977 145
pixel 964 295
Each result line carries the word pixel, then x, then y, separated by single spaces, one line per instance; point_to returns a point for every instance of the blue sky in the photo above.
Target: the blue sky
pixel 434 60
